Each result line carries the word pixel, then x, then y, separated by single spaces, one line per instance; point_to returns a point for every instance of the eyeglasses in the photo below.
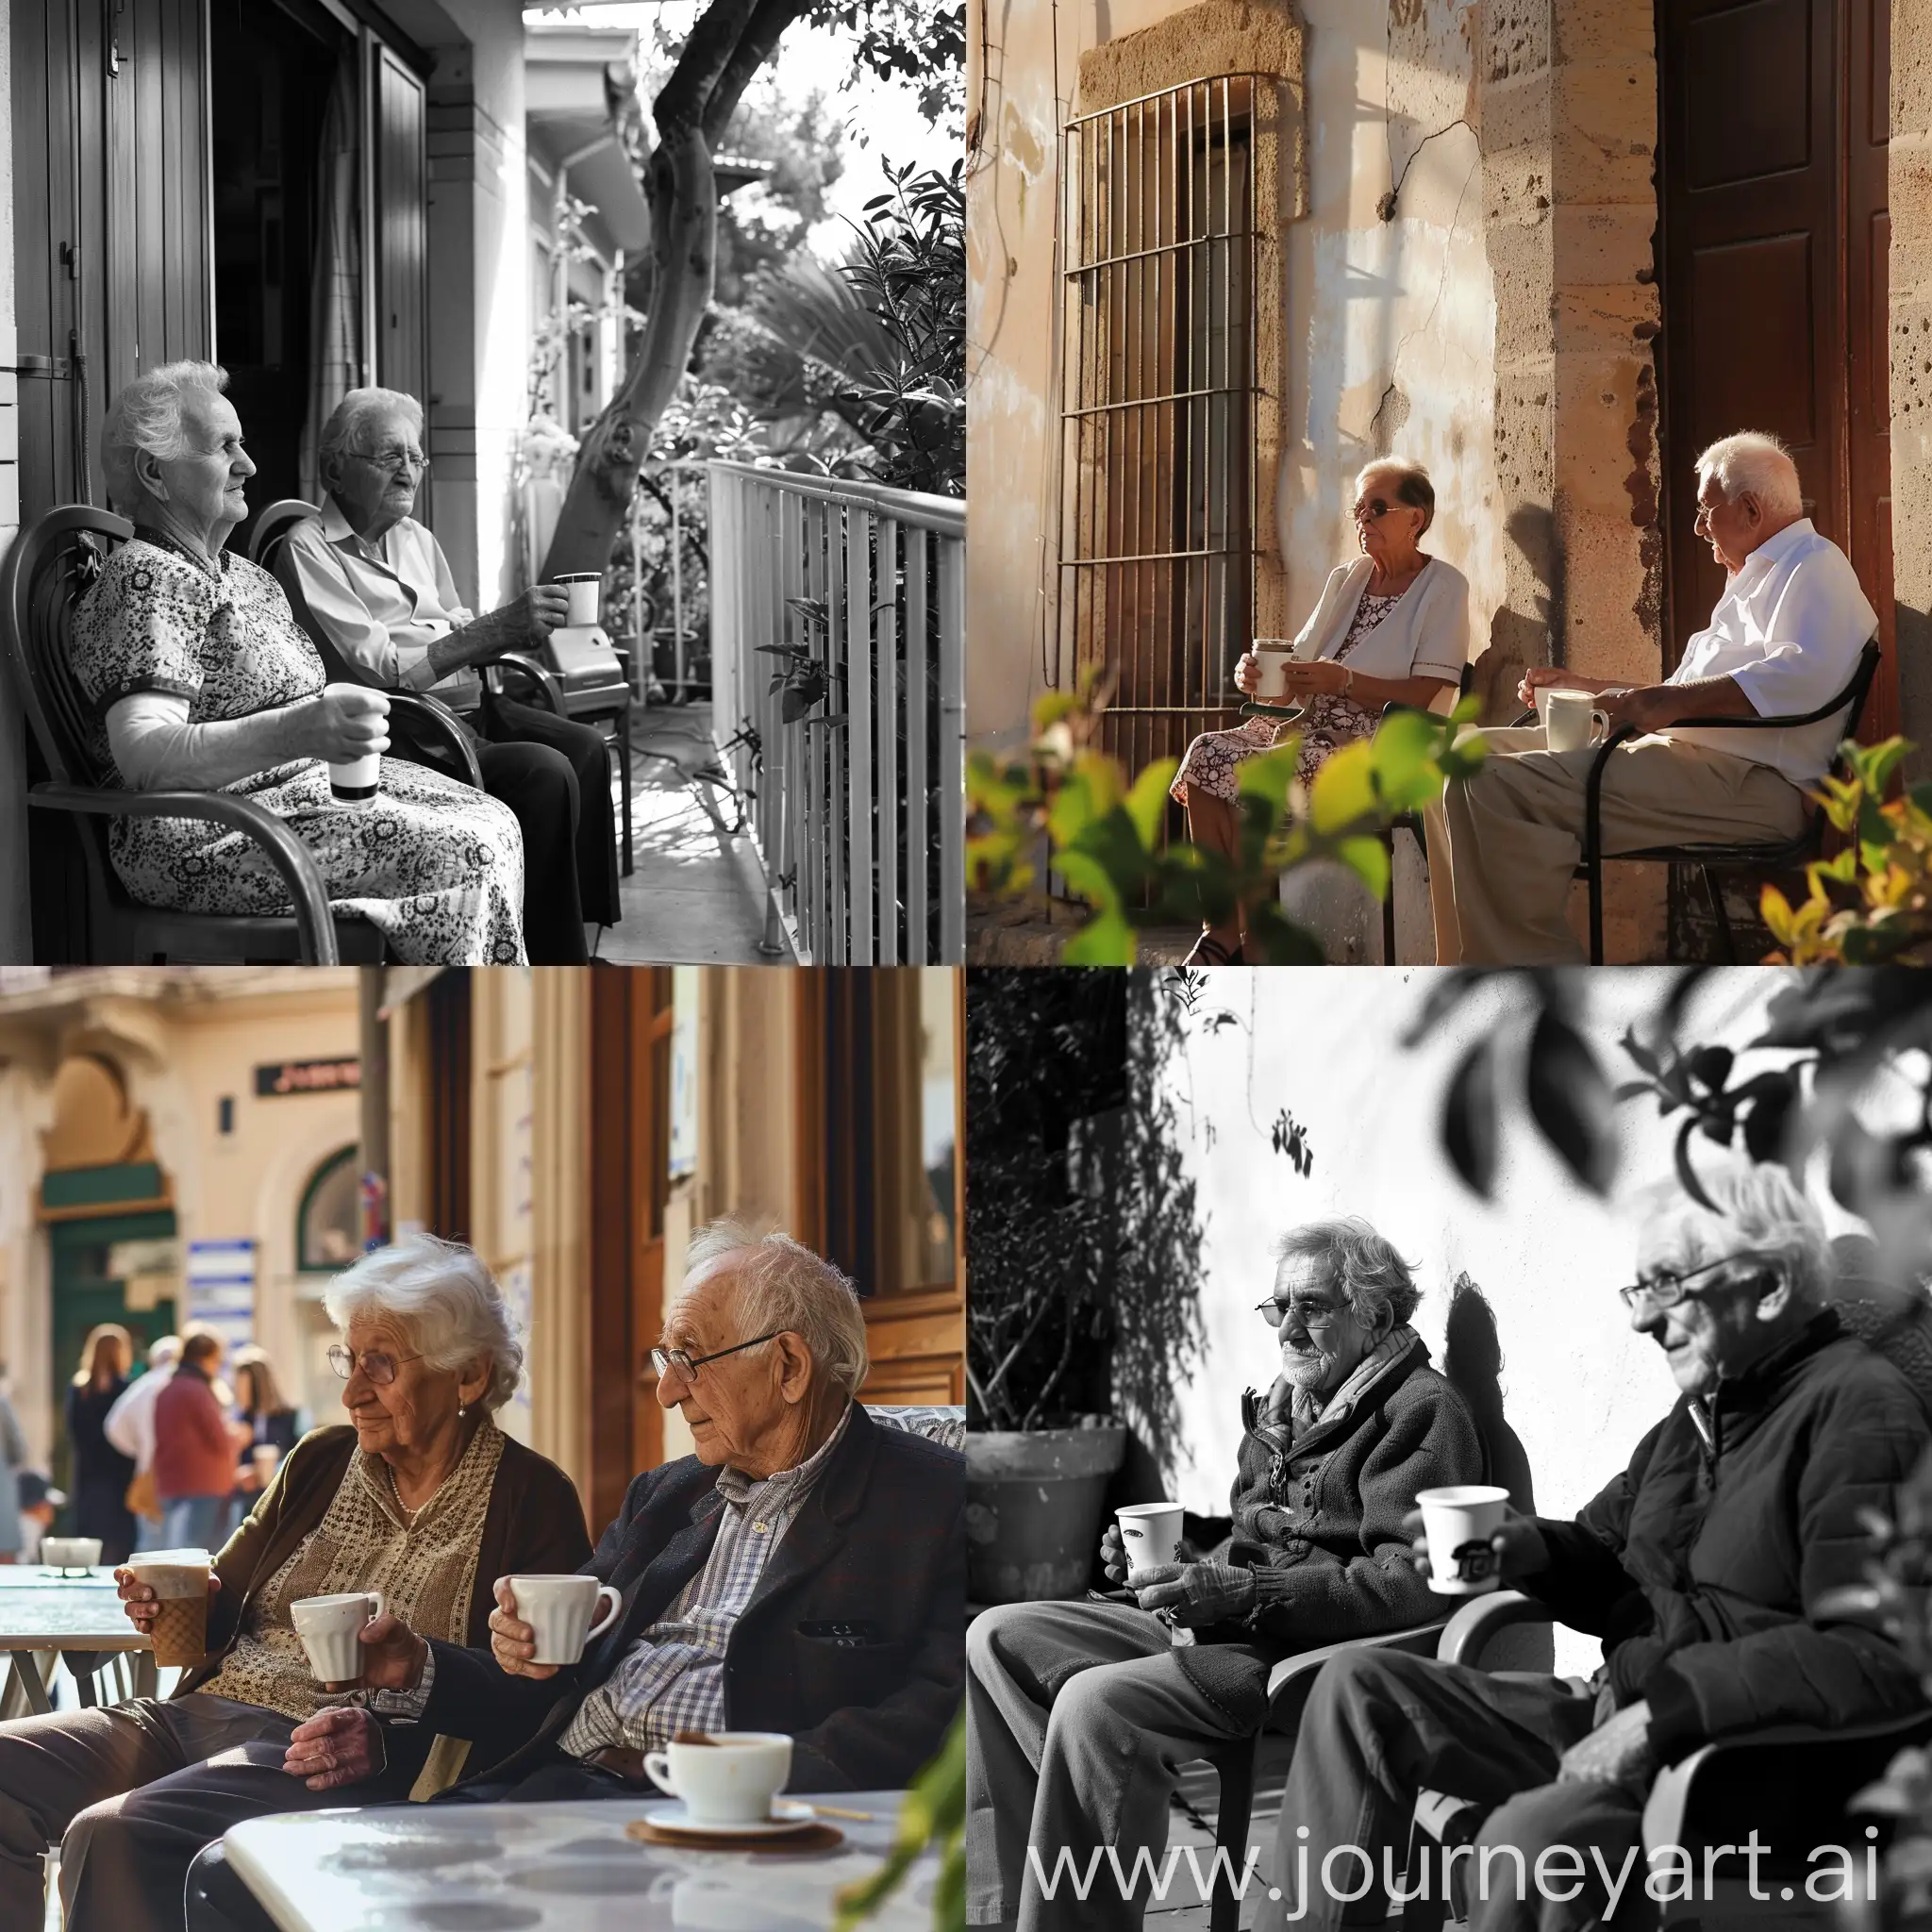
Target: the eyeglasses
pixel 1375 509
pixel 1664 1290
pixel 1307 1314
pixel 394 460
pixel 379 1367
pixel 665 1359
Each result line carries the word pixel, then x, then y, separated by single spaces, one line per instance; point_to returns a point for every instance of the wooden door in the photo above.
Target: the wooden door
pixel 402 228
pixel 1773 126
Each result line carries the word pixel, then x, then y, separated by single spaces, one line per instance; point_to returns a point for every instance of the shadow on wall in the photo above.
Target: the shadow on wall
pixel 1520 639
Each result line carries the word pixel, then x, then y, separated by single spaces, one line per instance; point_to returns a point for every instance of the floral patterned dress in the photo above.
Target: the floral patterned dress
pixel 1326 725
pixel 435 866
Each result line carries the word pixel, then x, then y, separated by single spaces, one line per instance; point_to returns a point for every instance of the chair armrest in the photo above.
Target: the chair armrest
pixel 1291 1680
pixel 296 864
pixel 549 692
pixel 441 721
pixel 1470 1631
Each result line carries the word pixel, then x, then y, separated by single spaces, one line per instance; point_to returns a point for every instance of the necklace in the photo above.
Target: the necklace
pixel 166 540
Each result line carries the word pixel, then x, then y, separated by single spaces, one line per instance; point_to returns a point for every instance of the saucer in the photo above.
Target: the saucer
pixel 787 1816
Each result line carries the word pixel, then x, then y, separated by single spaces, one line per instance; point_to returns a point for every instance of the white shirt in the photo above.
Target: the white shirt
pixel 1426 634
pixel 130 1423
pixel 1787 631
pixel 383 604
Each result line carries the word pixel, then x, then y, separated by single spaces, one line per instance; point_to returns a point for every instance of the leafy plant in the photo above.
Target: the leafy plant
pixel 801 674
pixel 1872 902
pixel 933 1815
pixel 1105 834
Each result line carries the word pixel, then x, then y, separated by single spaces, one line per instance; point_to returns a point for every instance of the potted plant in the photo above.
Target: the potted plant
pixel 1083 1307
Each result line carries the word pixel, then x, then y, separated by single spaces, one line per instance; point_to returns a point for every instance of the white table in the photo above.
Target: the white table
pixel 554 1868
pixel 78 1617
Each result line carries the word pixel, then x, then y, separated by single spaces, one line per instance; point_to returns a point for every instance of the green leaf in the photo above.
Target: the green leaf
pixel 1403 754
pixel 1344 793
pixel 1106 940
pixel 1267 779
pixel 1146 803
pixel 1368 858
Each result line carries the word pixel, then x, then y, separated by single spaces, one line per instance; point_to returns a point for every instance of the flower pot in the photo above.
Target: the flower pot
pixel 1033 1502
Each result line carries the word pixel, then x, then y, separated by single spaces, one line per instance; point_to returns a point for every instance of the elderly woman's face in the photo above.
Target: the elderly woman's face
pixel 733 1406
pixel 375 481
pixel 1322 1341
pixel 204 486
pixel 1385 526
pixel 411 1412
pixel 1726 1318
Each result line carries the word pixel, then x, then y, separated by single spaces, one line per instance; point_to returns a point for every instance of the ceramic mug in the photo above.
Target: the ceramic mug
pixel 731 1779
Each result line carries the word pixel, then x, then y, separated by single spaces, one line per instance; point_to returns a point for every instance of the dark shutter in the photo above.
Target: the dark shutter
pixel 402 234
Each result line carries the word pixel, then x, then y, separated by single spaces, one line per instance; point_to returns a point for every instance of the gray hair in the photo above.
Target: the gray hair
pixel 146 415
pixel 1369 1272
pixel 1754 461
pixel 1760 1210
pixel 346 419
pixel 780 1284
pixel 441 1295
pixel 163 1350
pixel 1412 485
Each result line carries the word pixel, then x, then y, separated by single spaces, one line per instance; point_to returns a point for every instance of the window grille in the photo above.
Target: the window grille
pixel 1157 490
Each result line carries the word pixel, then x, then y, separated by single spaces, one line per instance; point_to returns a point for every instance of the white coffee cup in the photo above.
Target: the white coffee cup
pixel 265 1455
pixel 1570 718
pixel 558 1610
pixel 732 1780
pixel 71 1551
pixel 330 1629
pixel 585 587
pixel 1273 656
pixel 1150 1534
pixel 355 781
pixel 1459 1521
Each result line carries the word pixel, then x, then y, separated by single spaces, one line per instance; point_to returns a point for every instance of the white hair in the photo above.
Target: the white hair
pixel 146 415
pixel 444 1299
pixel 1761 1211
pixel 781 1287
pixel 1760 463
pixel 163 1351
pixel 346 419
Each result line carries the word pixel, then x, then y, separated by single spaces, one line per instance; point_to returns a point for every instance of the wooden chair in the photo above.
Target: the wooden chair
pixel 50 565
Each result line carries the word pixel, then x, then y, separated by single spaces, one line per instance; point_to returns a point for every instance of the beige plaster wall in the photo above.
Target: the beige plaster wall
pixel 1911 187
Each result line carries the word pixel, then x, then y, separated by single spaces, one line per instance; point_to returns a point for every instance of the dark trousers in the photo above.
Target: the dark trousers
pixel 1380 1727
pixel 130 1795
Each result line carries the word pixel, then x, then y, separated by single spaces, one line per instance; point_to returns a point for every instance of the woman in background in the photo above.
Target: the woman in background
pixel 12 1460
pixel 270 1421
pixel 101 1472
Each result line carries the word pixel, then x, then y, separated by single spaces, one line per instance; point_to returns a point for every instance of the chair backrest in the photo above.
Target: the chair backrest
pixel 936 1423
pixel 1859 689
pixel 272 526
pixel 52 565
pixel 268 547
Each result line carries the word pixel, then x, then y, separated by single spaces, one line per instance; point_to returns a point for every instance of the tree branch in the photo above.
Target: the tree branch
pixel 682 100
pixel 756 44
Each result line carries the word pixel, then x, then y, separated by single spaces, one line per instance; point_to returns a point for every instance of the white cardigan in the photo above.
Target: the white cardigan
pixel 1426 635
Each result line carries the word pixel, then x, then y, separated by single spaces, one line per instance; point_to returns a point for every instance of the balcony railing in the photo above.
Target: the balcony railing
pixel 858 804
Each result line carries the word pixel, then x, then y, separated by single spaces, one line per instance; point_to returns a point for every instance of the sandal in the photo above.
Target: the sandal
pixel 1209 951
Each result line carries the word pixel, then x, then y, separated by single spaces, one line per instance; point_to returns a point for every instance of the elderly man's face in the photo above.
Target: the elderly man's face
pixel 203 485
pixel 735 1408
pixel 1322 1343
pixel 376 479
pixel 1733 530
pixel 1728 1317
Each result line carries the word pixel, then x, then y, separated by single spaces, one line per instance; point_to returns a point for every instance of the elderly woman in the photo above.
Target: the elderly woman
pixel 1392 629
pixel 1715 1621
pixel 423 1498
pixel 200 680
pixel 1082 1714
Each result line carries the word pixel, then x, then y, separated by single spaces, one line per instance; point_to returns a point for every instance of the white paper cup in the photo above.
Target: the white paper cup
pixel 1273 657
pixel 732 1780
pixel 1459 1522
pixel 355 781
pixel 330 1629
pixel 586 592
pixel 1150 1534
pixel 1570 718
pixel 558 1610
pixel 179 1581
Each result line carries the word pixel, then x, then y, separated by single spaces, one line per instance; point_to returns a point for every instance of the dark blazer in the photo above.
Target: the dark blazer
pixel 879 1548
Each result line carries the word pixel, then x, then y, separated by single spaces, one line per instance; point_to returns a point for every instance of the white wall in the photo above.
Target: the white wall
pixel 1580 1387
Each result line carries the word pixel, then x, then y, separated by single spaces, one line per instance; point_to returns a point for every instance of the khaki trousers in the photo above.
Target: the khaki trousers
pixel 1503 843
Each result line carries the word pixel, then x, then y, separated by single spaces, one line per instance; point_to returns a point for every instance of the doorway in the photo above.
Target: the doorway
pixel 1774 117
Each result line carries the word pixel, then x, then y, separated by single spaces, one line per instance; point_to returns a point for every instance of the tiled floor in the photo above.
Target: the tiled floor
pixel 697 893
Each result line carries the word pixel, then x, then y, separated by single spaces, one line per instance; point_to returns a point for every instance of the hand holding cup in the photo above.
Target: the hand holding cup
pixel 140 1601
pixel 513 1642
pixel 1519 1547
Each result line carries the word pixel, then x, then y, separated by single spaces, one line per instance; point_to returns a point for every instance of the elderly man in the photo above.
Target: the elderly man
pixel 804 1570
pixel 1784 639
pixel 378 588
pixel 1714 1619
pixel 1080 1715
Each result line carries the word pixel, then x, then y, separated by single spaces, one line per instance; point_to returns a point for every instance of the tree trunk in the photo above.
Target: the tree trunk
pixel 731 40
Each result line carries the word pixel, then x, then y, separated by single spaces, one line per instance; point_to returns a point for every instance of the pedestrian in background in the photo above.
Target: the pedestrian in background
pixel 194 1448
pixel 101 1472
pixel 12 1460
pixel 130 1428
pixel 271 1422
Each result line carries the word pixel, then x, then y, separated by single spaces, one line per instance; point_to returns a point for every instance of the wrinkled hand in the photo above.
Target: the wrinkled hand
pixel 512 1642
pixel 341 1746
pixel 1113 1555
pixel 1616 1753
pixel 1647 708
pixel 1321 677
pixel 1546 678
pixel 392 1655
pixel 1517 1543
pixel 1247 673
pixel 137 1599
pixel 347 720
pixel 543 608
pixel 1194 1593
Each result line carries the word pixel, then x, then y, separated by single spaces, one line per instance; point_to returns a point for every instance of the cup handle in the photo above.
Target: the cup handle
pixel 375 1597
pixel 657 1769
pixel 1600 724
pixel 608 1618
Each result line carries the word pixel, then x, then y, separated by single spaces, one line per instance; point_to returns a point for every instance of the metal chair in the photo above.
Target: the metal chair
pixel 1778 855
pixel 52 564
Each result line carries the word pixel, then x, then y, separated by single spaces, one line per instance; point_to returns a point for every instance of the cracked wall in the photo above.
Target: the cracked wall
pixel 1910 185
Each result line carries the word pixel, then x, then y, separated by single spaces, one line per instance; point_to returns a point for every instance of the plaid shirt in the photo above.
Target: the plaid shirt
pixel 673 1678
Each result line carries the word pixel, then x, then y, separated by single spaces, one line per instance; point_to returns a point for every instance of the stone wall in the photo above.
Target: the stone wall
pixel 1910 189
